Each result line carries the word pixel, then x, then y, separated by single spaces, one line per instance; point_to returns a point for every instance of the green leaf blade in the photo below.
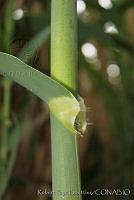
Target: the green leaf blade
pixel 59 99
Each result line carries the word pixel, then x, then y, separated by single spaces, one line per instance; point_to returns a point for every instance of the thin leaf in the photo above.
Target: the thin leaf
pixel 9 23
pixel 34 44
pixel 14 142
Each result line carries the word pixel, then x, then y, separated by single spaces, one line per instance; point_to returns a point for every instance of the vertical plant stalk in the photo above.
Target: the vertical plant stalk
pixel 7 84
pixel 4 142
pixel 65 162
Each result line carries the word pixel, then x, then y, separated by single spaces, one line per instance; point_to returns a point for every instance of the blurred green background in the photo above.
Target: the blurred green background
pixel 106 78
